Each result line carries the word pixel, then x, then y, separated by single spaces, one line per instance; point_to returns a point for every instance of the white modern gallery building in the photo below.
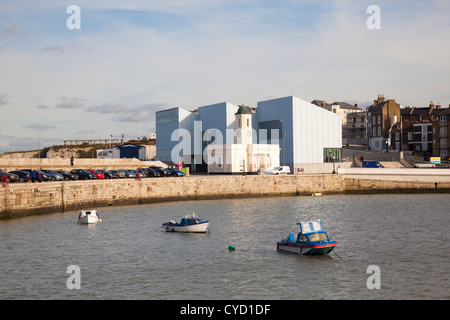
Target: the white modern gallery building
pixel 303 133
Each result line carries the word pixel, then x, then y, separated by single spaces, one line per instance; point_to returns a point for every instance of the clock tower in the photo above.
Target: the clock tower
pixel 243 125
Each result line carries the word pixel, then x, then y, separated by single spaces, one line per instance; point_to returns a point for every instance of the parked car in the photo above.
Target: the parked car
pixel 372 164
pixel 175 173
pixel 108 174
pixel 54 176
pixel 44 176
pixel 279 170
pixel 11 176
pixel 118 173
pixel 127 173
pixel 98 174
pixel 84 174
pixel 23 175
pixel 152 172
pixel 133 172
pixel 161 170
pixel 67 175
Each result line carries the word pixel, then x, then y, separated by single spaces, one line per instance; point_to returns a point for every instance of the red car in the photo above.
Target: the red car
pixel 98 174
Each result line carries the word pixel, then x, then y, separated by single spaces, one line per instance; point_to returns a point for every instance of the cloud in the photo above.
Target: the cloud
pixel 144 112
pixel 85 132
pixel 39 127
pixel 13 31
pixel 69 103
pixel 55 48
pixel 107 108
pixel 3 100
pixel 42 106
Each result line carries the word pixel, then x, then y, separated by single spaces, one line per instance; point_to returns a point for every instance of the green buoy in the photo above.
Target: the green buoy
pixel 231 248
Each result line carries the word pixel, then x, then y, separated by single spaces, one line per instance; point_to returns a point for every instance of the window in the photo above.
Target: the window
pixel 379 131
pixel 374 120
pixel 167 116
pixel 374 133
pixel 379 119
pixel 317 237
pixel 397 136
pixel 248 122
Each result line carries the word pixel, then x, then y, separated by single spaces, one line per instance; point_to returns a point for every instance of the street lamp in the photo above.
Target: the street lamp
pixel 330 153
pixel 334 171
pixel 207 155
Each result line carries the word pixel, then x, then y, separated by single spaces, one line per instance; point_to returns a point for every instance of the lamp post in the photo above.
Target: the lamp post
pixel 207 155
pixel 334 171
pixel 331 156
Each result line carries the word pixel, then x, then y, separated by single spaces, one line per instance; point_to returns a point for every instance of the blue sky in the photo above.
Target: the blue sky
pixel 130 59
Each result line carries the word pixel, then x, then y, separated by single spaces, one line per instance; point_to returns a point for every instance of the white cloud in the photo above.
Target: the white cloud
pixel 142 113
pixel 69 103
pixel 39 127
pixel 3 100
pixel 107 108
pixel 55 48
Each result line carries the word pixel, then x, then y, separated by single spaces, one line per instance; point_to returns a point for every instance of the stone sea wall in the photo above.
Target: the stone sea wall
pixel 22 199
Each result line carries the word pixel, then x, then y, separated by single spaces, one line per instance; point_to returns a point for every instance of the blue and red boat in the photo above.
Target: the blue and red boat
pixel 311 240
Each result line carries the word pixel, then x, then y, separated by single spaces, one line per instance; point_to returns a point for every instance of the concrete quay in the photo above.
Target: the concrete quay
pixel 21 199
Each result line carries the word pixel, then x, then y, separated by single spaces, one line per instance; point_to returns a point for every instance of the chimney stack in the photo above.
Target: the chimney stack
pixel 380 98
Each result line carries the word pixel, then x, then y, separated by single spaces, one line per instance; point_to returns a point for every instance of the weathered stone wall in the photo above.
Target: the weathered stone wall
pixel 32 198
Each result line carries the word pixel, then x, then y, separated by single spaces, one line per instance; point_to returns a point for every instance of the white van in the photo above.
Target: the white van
pixel 279 170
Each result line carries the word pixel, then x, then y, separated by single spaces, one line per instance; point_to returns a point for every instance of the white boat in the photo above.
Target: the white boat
pixel 88 217
pixel 188 224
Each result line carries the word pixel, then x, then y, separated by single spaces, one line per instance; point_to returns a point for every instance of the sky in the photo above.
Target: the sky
pixel 129 59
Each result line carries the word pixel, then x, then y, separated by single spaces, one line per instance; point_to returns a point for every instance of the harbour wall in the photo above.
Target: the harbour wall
pixel 23 199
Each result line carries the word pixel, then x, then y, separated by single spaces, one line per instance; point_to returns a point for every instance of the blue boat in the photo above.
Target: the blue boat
pixel 311 240
pixel 188 224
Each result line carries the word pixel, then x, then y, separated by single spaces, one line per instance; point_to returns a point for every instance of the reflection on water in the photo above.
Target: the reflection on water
pixel 128 255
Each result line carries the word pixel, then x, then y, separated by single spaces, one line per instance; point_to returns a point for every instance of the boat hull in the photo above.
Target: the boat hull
pixel 195 228
pixel 306 250
pixel 88 219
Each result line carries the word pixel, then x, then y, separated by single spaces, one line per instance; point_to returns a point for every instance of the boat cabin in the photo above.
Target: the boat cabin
pixel 189 221
pixel 310 232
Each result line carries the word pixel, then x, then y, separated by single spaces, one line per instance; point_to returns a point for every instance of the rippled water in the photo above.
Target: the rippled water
pixel 128 256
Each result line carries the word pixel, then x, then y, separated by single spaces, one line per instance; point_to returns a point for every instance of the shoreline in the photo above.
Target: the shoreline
pixel 19 200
